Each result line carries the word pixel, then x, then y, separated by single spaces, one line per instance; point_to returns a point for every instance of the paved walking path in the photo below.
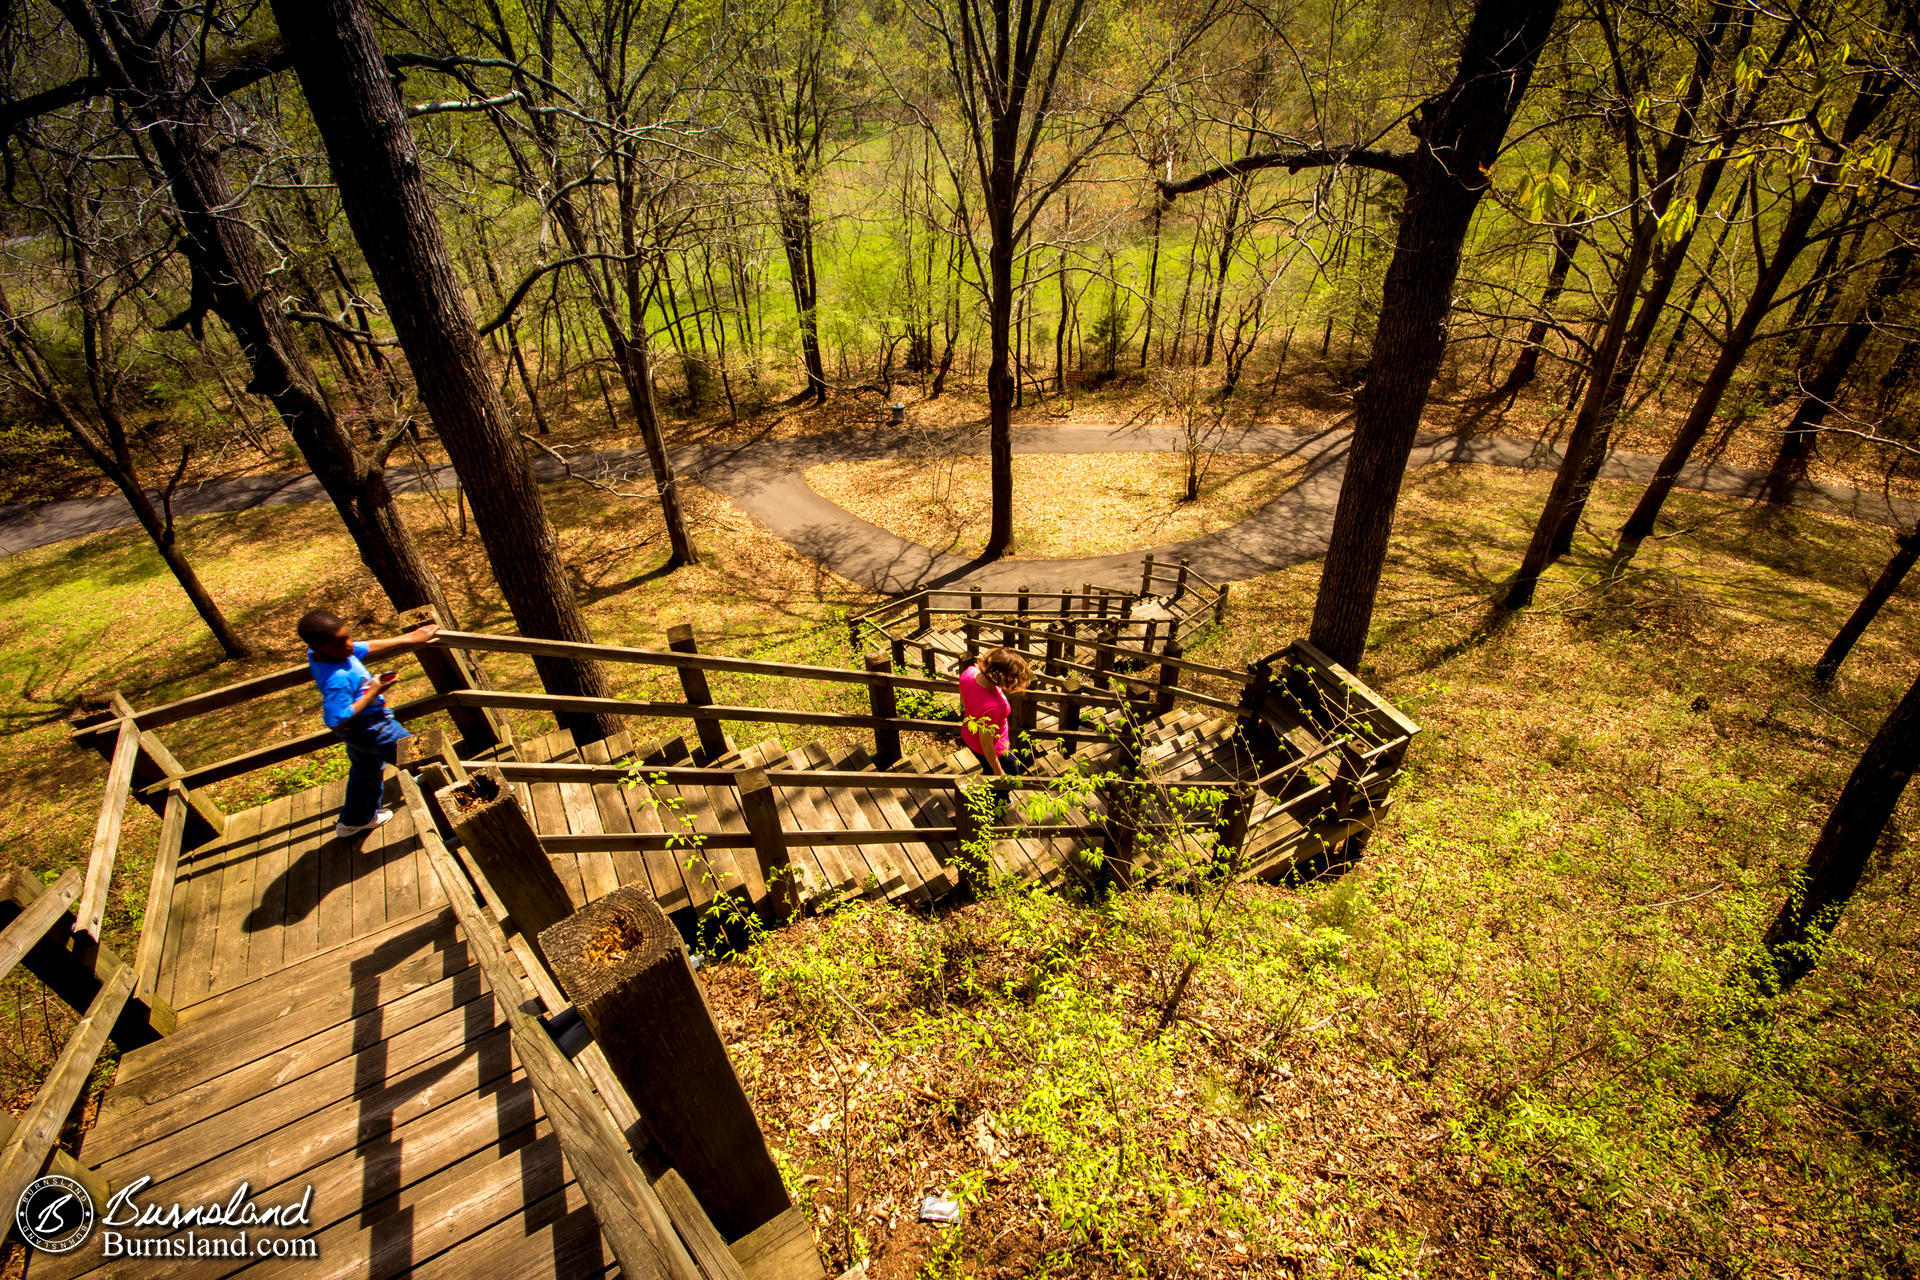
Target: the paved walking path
pixel 766 479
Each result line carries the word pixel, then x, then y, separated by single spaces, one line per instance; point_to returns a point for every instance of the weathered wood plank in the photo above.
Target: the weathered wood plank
pixel 783 1249
pixel 106 832
pixel 37 918
pixel 308 829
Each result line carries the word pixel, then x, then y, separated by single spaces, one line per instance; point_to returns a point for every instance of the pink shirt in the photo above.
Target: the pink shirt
pixel 980 701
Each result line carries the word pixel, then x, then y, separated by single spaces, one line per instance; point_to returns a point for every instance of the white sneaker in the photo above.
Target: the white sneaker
pixel 342 831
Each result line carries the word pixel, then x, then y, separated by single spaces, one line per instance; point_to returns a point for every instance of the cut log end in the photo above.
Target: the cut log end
pixel 608 943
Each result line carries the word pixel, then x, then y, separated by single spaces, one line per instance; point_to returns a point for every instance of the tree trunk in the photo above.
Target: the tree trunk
pixel 796 237
pixel 1906 551
pixel 1798 934
pixel 222 250
pixel 1796 444
pixel 1000 385
pixel 1867 104
pixel 383 189
pixel 1460 132
pixel 1566 242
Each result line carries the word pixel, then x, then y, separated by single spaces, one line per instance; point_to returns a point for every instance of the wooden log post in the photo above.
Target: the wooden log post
pixel 1052 662
pixel 493 826
pixel 762 810
pixel 970 630
pixel 974 604
pixel 1146 576
pixel 923 610
pixel 880 699
pixel 1169 686
pixel 693 683
pixel 206 820
pixel 1236 818
pixel 1251 721
pixel 1220 607
pixel 1151 636
pixel 1103 657
pixel 1070 710
pixel 897 652
pixel 449 671
pixel 623 966
pixel 75 967
pixel 1023 603
pixel 1124 801
pixel 1180 579
pixel 1066 605
pixel 970 861
pixel 1023 720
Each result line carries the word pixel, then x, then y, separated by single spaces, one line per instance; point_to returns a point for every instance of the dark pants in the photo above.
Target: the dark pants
pixel 371 747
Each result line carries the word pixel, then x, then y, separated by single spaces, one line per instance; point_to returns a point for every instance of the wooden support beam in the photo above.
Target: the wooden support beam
pixel 622 965
pixel 77 968
pixel 970 628
pixel 896 652
pixel 924 614
pixel 1052 664
pixel 880 699
pixel 499 836
pixel 635 1224
pixel 1180 580
pixel 1146 575
pixel 1169 687
pixel 704 1244
pixel 106 831
pixel 693 683
pixel 762 811
pixel 1220 607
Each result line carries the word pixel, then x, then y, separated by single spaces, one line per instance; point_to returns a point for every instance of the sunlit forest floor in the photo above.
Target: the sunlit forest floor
pixel 1501 1044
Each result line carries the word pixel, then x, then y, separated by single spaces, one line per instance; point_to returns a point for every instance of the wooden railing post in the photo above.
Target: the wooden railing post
pixel 969 864
pixel 1066 605
pixel 1103 658
pixel 1236 817
pixel 886 737
pixel 1070 710
pixel 1146 575
pixel 762 810
pixel 1252 722
pixel 498 835
pixel 973 601
pixel 970 630
pixel 1220 607
pixel 1023 720
pixel 1052 667
pixel 924 610
pixel 1180 580
pixel 1123 800
pixel 623 966
pixel 897 652
pixel 693 683
pixel 1024 602
pixel 1169 676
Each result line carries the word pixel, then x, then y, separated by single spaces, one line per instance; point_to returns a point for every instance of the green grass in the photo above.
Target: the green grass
pixel 1501 1045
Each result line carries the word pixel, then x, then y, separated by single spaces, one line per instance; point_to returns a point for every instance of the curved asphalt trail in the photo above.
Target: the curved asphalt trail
pixel 765 479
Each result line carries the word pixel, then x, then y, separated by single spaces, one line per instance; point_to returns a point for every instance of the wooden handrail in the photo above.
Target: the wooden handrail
pixel 153 925
pixel 25 930
pixel 248 761
pixel 219 699
pixel 1314 658
pixel 106 831
pixel 554 702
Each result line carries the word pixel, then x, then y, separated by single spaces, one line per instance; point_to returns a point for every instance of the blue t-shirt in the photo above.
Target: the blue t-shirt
pixel 340 688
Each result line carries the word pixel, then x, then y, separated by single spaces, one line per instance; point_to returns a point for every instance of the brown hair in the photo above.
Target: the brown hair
pixel 1006 669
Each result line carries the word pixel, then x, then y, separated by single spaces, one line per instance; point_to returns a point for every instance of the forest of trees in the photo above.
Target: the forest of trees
pixel 344 224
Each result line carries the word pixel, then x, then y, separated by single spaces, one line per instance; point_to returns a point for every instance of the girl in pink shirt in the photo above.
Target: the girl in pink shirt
pixel 985 707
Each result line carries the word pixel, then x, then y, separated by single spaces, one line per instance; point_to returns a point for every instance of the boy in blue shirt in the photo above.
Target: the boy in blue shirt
pixel 353 705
